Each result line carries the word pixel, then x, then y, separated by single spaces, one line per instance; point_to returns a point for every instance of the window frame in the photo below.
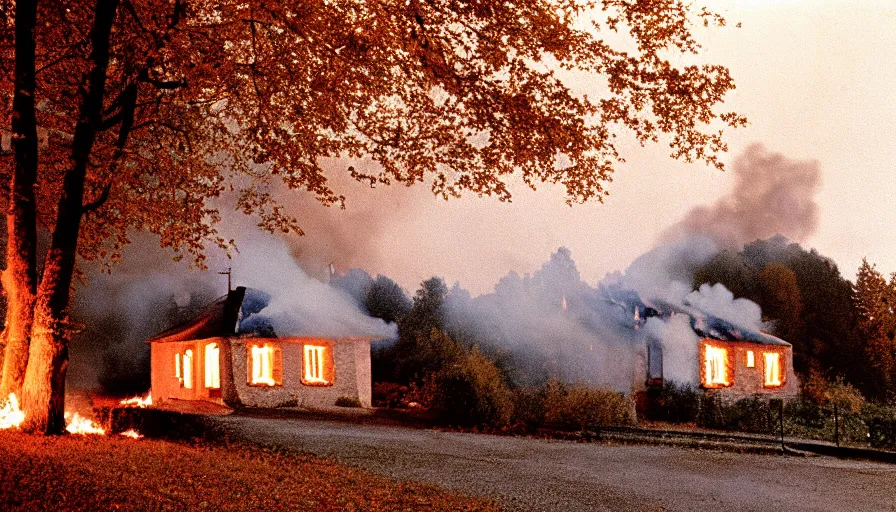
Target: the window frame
pixel 324 362
pixel 205 367
pixel 778 365
pixel 276 364
pixel 712 355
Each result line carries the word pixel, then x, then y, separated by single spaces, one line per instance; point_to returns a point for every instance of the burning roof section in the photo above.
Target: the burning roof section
pixel 236 314
pixel 218 319
pixel 703 324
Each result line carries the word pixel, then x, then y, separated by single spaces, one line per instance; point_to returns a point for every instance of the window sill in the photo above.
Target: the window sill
pixel 316 384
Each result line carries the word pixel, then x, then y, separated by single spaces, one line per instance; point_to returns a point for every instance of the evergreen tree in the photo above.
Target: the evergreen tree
pixel 876 330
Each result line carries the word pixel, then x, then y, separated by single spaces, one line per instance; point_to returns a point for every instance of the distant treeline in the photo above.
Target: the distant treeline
pixel 841 331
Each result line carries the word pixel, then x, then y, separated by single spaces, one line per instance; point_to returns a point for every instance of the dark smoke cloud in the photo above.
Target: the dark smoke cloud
pixel 118 311
pixel 772 195
pixel 347 238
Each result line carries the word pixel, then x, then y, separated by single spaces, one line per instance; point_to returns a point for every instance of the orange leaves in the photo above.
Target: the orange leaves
pixel 240 95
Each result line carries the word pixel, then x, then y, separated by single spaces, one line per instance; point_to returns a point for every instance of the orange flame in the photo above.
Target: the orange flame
pixel 10 415
pixel 133 434
pixel 138 401
pixel 77 424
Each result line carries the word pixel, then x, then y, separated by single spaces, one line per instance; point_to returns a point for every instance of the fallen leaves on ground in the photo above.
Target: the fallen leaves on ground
pixel 108 473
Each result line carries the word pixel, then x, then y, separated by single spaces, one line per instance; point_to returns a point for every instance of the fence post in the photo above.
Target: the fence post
pixel 836 426
pixel 781 422
pixel 780 404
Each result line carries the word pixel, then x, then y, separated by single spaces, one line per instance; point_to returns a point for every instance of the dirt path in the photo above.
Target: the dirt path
pixel 533 474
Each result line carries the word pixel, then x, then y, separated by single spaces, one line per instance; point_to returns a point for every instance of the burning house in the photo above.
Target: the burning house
pixel 731 362
pixel 631 332
pixel 737 366
pixel 230 355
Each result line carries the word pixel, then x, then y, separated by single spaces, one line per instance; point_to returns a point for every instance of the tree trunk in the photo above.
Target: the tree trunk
pixel 20 277
pixel 43 397
pixel 2 353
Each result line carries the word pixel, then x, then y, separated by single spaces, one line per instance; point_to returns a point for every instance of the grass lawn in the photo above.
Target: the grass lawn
pixel 115 473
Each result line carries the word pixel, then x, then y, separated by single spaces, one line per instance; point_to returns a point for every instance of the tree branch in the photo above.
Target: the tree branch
pixel 93 205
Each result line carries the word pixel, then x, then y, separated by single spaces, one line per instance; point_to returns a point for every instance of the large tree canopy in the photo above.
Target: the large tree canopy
pixel 137 113
pixel 464 94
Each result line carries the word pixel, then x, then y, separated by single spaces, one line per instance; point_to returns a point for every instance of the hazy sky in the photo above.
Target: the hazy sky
pixel 817 80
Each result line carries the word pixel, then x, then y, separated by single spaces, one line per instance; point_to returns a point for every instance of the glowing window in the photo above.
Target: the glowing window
pixel 263 371
pixel 188 368
pixel 314 364
pixel 772 369
pixel 177 366
pixel 751 359
pixel 212 366
pixel 716 371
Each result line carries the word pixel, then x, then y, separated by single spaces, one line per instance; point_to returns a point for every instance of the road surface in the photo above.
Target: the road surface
pixel 536 474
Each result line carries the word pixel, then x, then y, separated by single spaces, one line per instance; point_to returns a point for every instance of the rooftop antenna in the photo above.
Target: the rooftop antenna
pixel 229 273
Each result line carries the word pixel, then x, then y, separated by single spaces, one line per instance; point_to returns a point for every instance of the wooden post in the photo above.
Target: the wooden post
pixel 836 426
pixel 781 421
pixel 780 403
pixel 229 274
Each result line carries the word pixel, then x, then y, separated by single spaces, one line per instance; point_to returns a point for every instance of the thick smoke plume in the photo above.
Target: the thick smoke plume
pixel 772 195
pixel 300 305
pixel 550 324
pixel 554 324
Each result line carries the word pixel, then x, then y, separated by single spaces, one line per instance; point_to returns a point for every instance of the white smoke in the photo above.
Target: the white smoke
pixel 679 343
pixel 300 305
pixel 716 301
pixel 665 272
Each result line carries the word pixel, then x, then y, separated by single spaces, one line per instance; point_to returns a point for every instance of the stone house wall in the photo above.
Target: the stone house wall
pixel 346 368
pixel 746 381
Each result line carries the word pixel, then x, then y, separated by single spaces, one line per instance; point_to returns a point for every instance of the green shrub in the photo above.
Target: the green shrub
pixel 579 407
pixel 529 407
pixel 751 414
pixel 881 423
pixel 389 394
pixel 348 401
pixel 471 391
pixel 802 418
pixel 674 403
pixel 813 414
pixel 805 418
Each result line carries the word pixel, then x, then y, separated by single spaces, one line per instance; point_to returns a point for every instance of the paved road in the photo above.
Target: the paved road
pixel 535 474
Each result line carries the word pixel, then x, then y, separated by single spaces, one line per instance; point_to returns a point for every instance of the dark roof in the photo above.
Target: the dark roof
pixel 218 319
pixel 708 326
